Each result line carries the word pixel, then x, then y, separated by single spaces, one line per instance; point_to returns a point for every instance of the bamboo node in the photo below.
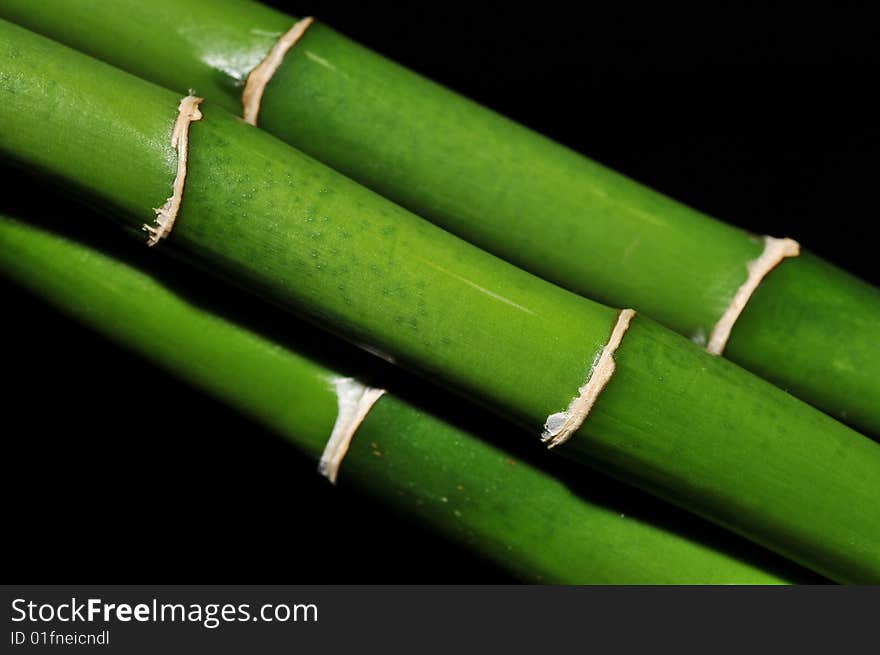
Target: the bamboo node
pixel 259 77
pixel 775 250
pixel 355 401
pixel 560 426
pixel 187 112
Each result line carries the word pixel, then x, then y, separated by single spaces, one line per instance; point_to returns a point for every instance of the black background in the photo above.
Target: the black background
pixel 764 118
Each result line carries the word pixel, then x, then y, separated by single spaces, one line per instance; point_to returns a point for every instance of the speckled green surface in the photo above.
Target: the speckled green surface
pixel 814 330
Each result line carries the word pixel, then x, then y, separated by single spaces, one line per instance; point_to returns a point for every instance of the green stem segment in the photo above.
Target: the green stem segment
pixel 688 426
pixel 453 480
pixel 499 185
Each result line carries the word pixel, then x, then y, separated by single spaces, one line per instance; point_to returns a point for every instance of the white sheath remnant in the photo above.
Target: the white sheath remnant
pixel 260 76
pixel 187 112
pixel 775 250
pixel 355 401
pixel 561 426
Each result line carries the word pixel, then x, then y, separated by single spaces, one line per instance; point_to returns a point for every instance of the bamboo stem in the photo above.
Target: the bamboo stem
pixel 440 473
pixel 497 184
pixel 685 425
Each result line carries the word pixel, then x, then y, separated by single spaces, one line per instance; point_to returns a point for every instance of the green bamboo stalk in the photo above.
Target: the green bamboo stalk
pixel 687 426
pixel 453 480
pixel 811 328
